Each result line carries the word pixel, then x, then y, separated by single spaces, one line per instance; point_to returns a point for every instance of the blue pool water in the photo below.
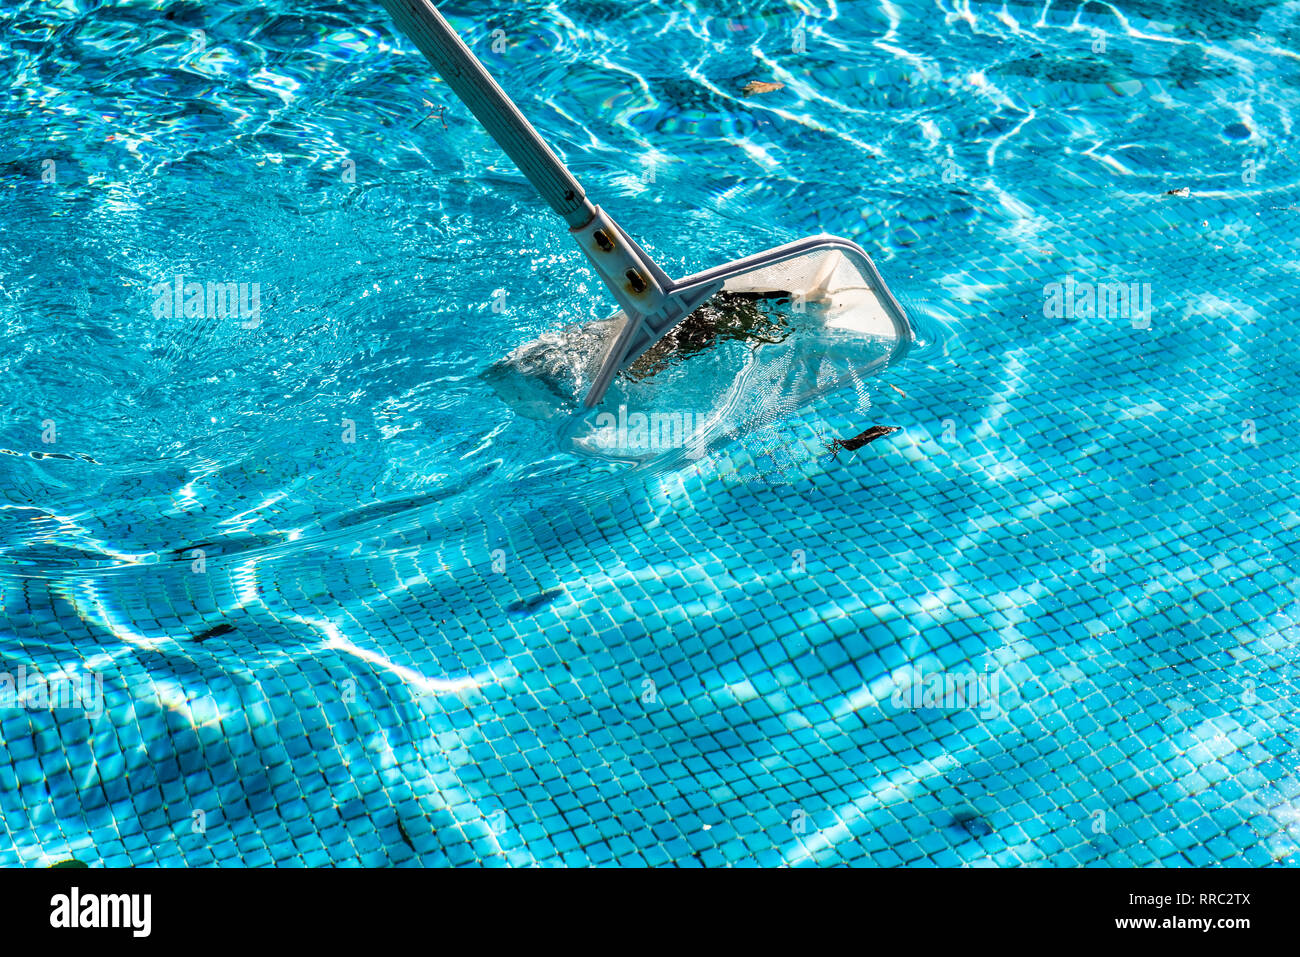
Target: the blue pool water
pixel 346 604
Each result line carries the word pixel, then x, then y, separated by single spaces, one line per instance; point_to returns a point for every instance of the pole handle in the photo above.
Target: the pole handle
pixel 471 82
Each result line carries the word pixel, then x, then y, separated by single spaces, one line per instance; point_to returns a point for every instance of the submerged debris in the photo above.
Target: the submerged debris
pixel 440 110
pixel 754 87
pixel 873 433
pixel 728 316
pixel 1182 192
pixel 532 603
pixel 214 631
pixel 406 838
pixel 965 819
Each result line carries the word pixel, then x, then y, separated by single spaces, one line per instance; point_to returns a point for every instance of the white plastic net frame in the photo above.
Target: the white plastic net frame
pixel 835 273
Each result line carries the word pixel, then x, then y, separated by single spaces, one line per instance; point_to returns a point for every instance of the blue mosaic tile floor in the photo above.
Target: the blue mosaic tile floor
pixel 388 656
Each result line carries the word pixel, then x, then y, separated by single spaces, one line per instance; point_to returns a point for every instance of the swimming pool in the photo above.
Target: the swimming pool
pixel 337 601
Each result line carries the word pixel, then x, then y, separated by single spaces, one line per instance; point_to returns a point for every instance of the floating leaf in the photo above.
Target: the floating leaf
pixel 873 433
pixel 761 86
